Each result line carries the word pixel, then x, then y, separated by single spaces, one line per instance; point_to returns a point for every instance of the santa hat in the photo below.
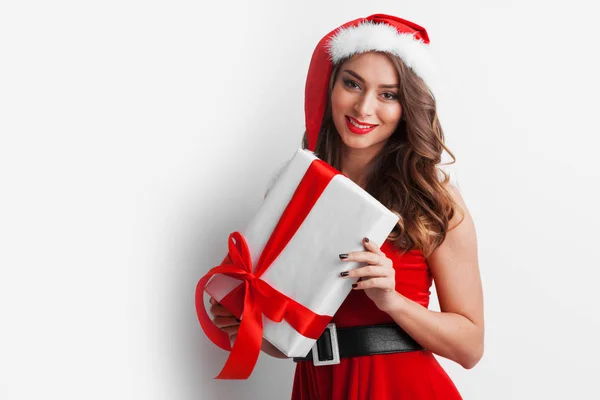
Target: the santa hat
pixel 378 32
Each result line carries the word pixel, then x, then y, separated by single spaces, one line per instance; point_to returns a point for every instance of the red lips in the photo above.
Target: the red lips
pixel 360 122
pixel 356 130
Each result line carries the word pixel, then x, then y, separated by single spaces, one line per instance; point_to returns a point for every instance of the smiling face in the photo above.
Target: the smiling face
pixel 364 101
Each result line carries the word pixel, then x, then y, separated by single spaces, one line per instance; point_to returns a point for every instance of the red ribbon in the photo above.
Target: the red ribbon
pixel 258 296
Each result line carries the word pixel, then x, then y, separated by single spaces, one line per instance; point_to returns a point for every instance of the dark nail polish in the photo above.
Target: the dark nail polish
pixel 344 255
pixel 354 285
pixel 366 240
pixel 345 273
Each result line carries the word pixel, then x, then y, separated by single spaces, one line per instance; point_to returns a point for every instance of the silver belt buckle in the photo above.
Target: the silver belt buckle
pixel 335 349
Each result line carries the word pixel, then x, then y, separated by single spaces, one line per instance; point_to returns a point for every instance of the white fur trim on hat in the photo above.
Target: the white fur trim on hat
pixel 372 36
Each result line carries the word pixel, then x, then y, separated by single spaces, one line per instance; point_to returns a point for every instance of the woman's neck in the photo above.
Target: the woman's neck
pixel 354 163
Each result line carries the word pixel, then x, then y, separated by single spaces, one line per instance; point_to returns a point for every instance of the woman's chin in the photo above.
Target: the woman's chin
pixel 355 142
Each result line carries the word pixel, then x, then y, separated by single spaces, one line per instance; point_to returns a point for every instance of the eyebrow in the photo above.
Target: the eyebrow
pixel 357 76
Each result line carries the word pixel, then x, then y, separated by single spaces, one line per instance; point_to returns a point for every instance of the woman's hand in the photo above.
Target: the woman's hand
pixel 224 319
pixel 378 279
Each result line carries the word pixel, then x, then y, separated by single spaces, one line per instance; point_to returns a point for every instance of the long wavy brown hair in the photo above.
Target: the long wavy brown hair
pixel 404 176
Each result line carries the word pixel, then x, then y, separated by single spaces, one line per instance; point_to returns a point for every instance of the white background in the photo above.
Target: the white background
pixel 135 136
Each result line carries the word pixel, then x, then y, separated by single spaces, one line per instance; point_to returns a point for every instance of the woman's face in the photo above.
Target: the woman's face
pixel 364 101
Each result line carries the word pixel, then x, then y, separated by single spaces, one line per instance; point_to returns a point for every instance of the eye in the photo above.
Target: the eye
pixel 351 84
pixel 390 96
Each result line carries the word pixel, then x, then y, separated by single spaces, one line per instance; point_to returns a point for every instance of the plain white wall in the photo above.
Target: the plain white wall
pixel 135 136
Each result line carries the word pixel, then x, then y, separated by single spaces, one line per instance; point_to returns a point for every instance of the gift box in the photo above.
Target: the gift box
pixel 281 276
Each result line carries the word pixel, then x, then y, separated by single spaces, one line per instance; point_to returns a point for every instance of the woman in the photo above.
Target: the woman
pixel 371 114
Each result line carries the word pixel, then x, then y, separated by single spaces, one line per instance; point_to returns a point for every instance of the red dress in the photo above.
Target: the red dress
pixel 412 375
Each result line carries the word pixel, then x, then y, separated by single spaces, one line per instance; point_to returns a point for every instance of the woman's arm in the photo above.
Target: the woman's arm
pixel 272 350
pixel 457 332
pixel 224 319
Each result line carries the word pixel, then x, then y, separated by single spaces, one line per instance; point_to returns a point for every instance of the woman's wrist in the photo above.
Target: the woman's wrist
pixel 397 304
pixel 271 350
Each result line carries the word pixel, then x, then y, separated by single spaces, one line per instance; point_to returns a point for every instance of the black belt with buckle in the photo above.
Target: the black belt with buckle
pixel 336 343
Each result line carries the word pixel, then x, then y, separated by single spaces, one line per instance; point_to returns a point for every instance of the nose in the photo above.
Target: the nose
pixel 365 105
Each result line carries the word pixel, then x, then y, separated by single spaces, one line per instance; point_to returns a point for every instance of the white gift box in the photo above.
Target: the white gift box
pixel 308 268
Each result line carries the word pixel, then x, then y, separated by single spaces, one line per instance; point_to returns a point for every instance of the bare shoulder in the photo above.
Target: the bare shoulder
pixel 461 238
pixel 462 214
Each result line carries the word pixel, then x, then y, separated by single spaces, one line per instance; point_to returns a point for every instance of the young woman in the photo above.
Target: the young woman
pixel 371 113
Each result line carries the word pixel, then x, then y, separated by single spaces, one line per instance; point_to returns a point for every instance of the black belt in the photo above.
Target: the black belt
pixel 336 343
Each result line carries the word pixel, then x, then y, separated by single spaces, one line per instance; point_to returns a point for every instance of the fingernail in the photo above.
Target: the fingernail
pixel 366 240
pixel 354 285
pixel 344 255
pixel 345 273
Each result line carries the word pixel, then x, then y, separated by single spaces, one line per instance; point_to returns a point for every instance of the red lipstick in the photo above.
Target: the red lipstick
pixel 350 122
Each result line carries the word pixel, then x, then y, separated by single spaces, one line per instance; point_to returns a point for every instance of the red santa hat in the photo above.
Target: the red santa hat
pixel 378 32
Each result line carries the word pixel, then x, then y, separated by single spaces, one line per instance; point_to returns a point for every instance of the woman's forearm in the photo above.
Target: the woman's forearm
pixel 449 335
pixel 271 350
